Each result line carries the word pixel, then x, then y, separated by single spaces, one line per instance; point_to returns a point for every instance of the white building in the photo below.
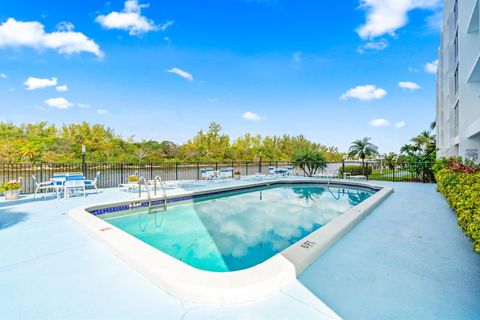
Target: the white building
pixel 458 81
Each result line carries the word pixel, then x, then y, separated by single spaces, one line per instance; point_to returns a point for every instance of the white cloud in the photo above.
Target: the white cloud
pixel 400 124
pixel 62 88
pixel 181 73
pixel 131 19
pixel 59 103
pixel 411 69
pixel 33 83
pixel 65 26
pixel 373 46
pixel 11 89
pixel 102 111
pixel 379 123
pixel 3 75
pixel 252 116
pixel 408 85
pixel 365 93
pixel 166 25
pixel 434 22
pixel 386 16
pixel 83 105
pixel 32 34
pixel 431 67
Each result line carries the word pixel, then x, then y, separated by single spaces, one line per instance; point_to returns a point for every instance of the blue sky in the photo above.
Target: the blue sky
pixel 334 71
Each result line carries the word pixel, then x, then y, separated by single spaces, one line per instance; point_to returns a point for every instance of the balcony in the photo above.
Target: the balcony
pixel 475 74
pixel 474 25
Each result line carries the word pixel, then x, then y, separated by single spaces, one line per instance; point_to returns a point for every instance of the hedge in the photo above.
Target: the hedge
pixel 462 191
pixel 355 170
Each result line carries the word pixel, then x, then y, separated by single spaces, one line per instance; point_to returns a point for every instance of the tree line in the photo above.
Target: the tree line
pixel 45 142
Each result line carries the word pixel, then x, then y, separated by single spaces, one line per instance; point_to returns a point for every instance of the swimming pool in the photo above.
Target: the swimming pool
pixel 241 229
pixel 232 242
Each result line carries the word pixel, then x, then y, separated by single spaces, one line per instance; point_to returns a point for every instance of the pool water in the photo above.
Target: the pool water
pixel 241 229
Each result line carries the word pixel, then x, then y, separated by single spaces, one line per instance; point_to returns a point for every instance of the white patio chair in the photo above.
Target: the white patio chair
pixel 39 186
pixel 93 183
pixel 272 171
pixel 74 183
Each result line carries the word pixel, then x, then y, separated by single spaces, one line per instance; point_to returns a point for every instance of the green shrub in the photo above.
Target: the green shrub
pixel 355 170
pixel 462 191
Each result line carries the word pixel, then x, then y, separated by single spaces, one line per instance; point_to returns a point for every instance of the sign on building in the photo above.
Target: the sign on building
pixel 471 154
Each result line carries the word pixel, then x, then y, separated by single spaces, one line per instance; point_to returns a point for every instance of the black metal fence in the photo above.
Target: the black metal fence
pixel 395 172
pixel 113 174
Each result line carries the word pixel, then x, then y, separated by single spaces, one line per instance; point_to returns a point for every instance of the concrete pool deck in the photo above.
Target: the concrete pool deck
pixel 407 259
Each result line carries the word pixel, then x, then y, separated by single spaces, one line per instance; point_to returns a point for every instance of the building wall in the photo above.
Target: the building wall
pixel 458 132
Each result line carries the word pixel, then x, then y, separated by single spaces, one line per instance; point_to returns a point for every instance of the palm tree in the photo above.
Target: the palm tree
pixel 362 149
pixel 391 159
pixel 423 143
pixel 309 160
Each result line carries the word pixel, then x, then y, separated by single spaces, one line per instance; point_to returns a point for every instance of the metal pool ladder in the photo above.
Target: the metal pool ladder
pixel 331 178
pixel 143 181
pixel 162 188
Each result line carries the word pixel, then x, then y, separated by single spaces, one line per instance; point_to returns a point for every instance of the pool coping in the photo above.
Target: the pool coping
pixel 226 288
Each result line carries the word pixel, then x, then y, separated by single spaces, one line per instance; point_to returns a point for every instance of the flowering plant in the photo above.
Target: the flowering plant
pixel 456 166
pixel 10 185
pixel 133 178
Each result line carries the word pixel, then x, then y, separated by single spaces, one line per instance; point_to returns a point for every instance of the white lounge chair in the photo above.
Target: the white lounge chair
pixel 327 175
pixel 93 183
pixel 289 170
pixel 207 173
pixel 358 177
pixel 226 174
pixel 39 186
pixel 129 187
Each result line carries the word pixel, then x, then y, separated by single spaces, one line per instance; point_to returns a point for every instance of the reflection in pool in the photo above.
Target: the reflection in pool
pixel 241 229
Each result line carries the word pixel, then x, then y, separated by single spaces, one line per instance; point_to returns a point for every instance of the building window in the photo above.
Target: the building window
pixel 455 45
pixel 455 11
pixel 456 117
pixel 456 79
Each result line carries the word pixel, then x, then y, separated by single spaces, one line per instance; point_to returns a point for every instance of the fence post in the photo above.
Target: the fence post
pixel 423 172
pixel 216 165
pixel 260 165
pixel 343 169
pixel 366 169
pixel 151 171
pixel 198 171
pixel 246 168
pixel 83 161
pixel 393 177
pixel 41 171
pixel 176 170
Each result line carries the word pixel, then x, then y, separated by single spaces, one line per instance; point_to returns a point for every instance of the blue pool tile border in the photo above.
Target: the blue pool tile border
pixel 144 204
